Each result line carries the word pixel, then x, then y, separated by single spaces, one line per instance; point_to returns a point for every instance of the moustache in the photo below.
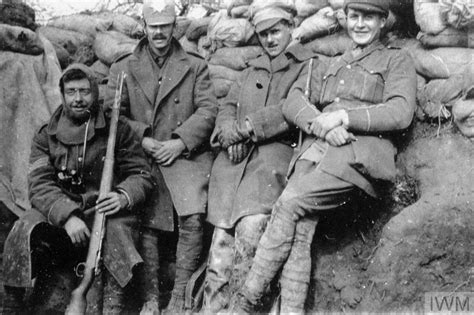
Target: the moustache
pixel 159 37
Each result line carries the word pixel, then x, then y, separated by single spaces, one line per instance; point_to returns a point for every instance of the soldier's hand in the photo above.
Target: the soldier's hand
pixel 339 136
pixel 111 203
pixel 169 151
pixel 325 122
pixel 234 133
pixel 150 145
pixel 77 231
pixel 237 152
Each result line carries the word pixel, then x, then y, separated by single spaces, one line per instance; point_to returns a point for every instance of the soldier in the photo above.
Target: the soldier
pixel 170 102
pixel 367 96
pixel 249 173
pixel 64 177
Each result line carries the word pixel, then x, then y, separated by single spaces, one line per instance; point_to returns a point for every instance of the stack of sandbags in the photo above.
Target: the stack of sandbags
pixel 446 23
pixel 226 65
pixel 84 38
pixel 17 14
pixel 446 73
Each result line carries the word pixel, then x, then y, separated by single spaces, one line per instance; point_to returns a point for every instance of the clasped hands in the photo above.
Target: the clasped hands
pixel 163 152
pixel 111 203
pixel 332 127
pixel 234 138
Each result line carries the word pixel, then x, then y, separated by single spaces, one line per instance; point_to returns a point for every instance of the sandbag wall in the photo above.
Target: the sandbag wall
pixel 436 34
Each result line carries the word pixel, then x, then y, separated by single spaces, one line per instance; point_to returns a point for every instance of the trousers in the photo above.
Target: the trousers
pixel 286 243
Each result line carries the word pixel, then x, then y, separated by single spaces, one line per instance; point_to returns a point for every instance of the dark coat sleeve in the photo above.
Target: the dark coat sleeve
pixel 44 192
pixel 197 129
pixel 131 165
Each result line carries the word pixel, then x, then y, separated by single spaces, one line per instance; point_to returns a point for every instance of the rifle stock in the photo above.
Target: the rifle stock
pixel 91 267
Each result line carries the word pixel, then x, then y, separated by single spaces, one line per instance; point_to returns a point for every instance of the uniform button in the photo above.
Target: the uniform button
pixel 79 159
pixel 341 82
pixel 371 71
pixel 179 123
pixel 348 67
pixel 176 100
pixel 337 100
pixel 73 172
pixel 325 77
pixel 159 82
pixel 63 168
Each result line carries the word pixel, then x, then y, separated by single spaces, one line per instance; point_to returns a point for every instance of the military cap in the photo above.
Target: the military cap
pixel 159 12
pixel 378 6
pixel 267 15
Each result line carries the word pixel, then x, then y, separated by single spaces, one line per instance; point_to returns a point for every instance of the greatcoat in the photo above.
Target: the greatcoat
pixel 56 152
pixel 180 102
pixel 377 88
pixel 253 185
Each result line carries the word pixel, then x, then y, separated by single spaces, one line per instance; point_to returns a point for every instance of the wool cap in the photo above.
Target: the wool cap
pixel 265 16
pixel 377 6
pixel 159 12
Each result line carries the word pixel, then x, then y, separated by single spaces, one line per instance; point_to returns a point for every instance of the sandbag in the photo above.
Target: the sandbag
pixel 123 24
pixel 101 71
pixel 196 12
pixel 188 45
pixel 463 110
pixel 240 12
pixel 440 63
pixel 222 86
pixel 63 55
pixel 428 16
pixel 323 23
pixel 230 32
pixel 181 26
pixel 237 3
pixel 29 95
pixel 458 13
pixel 17 14
pixel 450 37
pixel 110 45
pixel 221 72
pixel 82 23
pixel 307 8
pixel 331 45
pixel 203 46
pixel 198 28
pixel 235 58
pixel 440 94
pixel 70 40
pixel 19 39
pixel 84 54
pixel 336 4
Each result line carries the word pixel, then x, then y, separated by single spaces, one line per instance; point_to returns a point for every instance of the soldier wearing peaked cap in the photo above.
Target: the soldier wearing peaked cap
pixel 170 102
pixel 366 98
pixel 255 140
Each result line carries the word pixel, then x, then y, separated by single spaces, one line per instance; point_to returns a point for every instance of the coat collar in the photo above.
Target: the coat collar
pixel 376 45
pixel 141 68
pixel 66 132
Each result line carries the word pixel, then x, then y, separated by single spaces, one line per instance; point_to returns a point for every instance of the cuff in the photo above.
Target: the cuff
pixel 61 210
pixel 124 193
pixel 359 119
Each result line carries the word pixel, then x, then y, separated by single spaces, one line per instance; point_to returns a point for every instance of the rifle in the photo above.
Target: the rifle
pixel 91 267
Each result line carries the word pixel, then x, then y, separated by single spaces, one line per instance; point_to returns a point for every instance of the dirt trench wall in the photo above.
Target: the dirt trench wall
pixel 386 256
